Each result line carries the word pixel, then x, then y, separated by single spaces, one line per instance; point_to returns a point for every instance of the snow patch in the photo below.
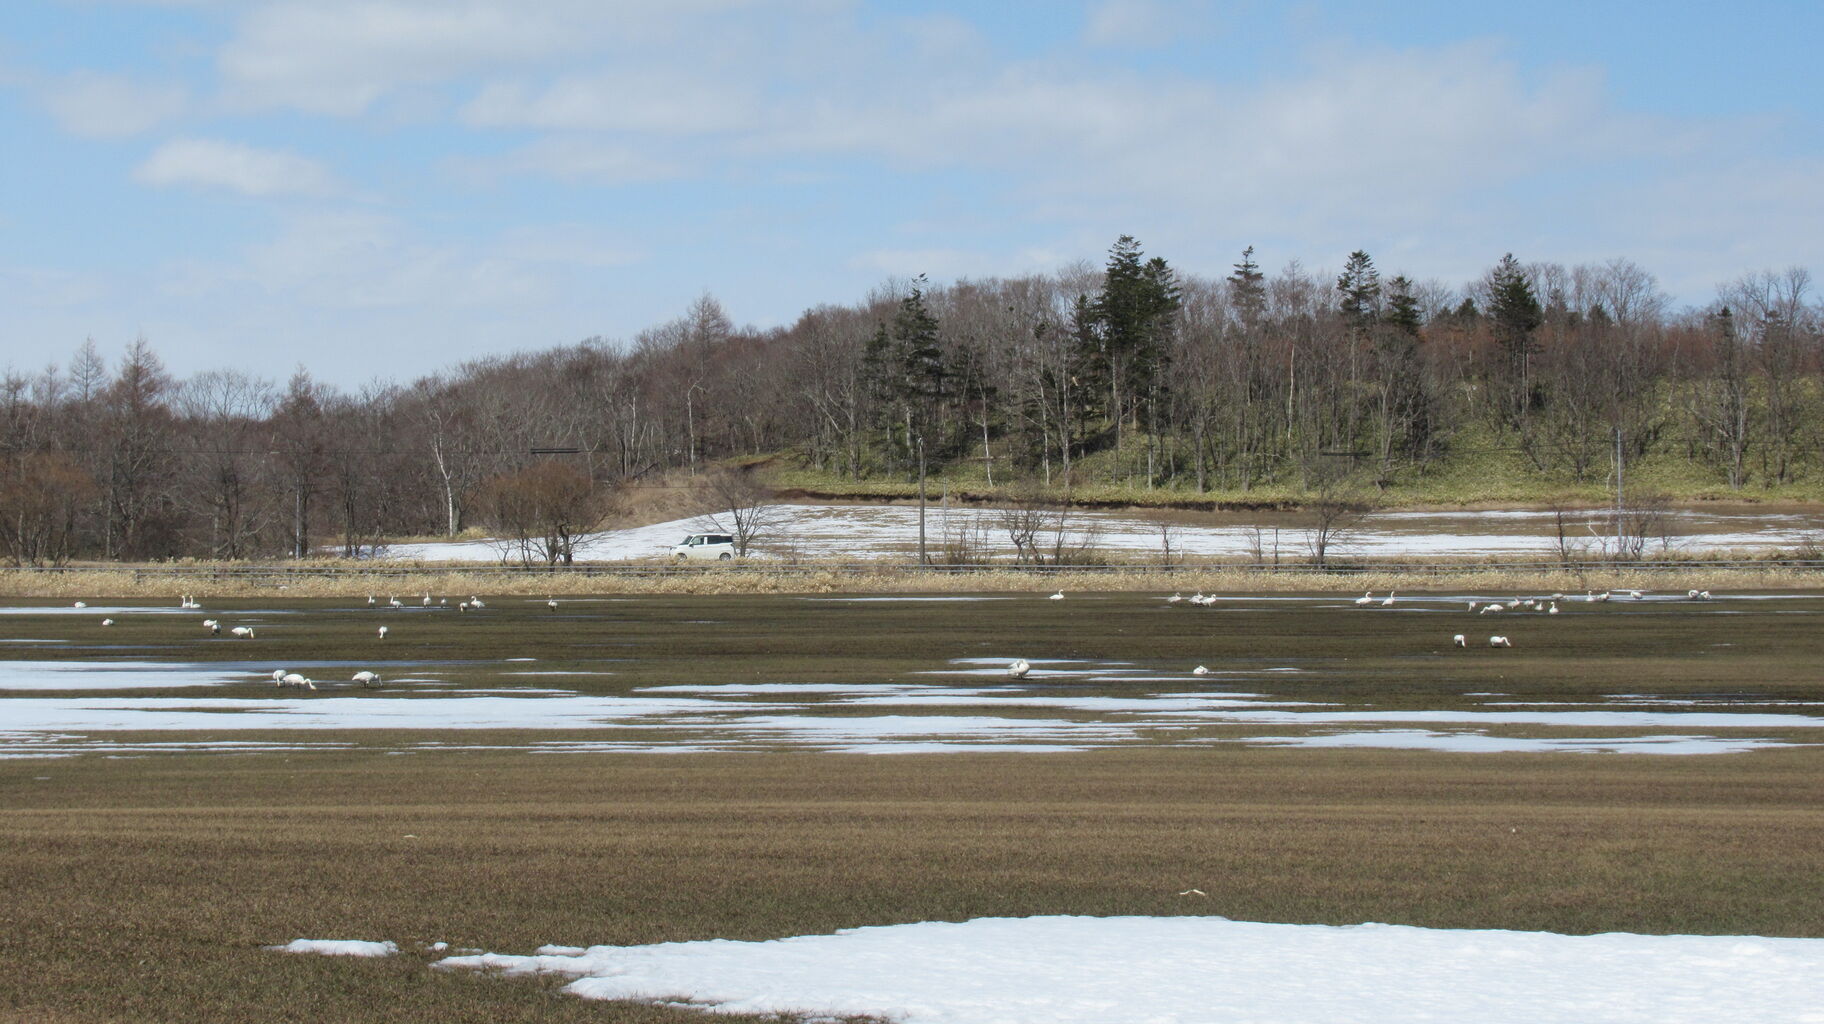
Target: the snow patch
pixel 1129 970
pixel 337 947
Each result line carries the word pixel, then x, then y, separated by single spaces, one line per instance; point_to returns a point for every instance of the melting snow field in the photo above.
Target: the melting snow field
pixel 876 531
pixel 872 718
pixel 1208 970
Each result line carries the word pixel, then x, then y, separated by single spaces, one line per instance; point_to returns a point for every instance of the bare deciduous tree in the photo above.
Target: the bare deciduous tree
pixel 1334 513
pixel 540 513
pixel 738 505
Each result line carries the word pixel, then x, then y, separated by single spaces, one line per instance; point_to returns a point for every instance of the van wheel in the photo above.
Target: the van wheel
pixel 678 557
pixel 724 556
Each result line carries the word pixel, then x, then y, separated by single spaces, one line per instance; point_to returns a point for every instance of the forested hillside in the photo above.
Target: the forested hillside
pixel 1127 379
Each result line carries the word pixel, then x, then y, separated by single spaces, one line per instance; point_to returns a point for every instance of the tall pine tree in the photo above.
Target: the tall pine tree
pixel 1516 313
pixel 1133 317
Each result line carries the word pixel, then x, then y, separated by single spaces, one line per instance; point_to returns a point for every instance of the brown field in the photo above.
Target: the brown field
pixel 142 889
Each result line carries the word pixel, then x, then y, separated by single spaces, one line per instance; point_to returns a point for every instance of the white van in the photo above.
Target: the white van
pixel 705 545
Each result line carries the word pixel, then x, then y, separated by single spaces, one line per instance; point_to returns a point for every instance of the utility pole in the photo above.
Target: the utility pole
pixel 1620 468
pixel 921 500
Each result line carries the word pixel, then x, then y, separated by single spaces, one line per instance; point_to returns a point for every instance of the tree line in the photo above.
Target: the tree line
pixel 1129 373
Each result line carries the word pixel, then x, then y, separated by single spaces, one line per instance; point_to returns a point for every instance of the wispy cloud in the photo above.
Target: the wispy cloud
pixel 96 105
pixel 341 56
pixel 576 158
pixel 234 167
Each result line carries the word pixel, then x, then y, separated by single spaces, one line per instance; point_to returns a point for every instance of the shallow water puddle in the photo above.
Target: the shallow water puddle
pixel 797 717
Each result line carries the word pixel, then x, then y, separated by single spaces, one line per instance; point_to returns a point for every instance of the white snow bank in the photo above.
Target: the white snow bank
pixel 337 947
pixel 1210 970
pixel 875 531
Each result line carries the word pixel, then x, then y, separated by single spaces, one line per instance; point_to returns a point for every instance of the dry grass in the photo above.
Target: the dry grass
pixel 330 579
pixel 143 890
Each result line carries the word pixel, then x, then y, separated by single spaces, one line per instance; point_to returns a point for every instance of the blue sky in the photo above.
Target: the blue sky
pixel 383 188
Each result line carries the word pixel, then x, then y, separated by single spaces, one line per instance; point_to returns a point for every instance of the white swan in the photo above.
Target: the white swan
pixel 1018 669
pixel 366 679
pixel 1499 641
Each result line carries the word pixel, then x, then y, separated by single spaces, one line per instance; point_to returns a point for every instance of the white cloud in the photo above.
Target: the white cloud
pixel 579 158
pixel 1130 23
pixel 250 171
pixel 95 105
pixel 655 99
pixel 341 56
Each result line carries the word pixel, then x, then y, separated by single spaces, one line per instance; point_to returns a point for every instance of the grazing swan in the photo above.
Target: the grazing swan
pixel 1472 606
pixel 1200 671
pixel 1365 600
pixel 383 632
pixel 1604 596
pixel 1499 641
pixel 366 679
pixel 107 622
pixel 1018 669
pixel 302 682
pixel 1460 640
pixel 1703 595
pixel 80 604
pixel 1492 607
pixel 1636 595
pixel 243 632
pixel 278 677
